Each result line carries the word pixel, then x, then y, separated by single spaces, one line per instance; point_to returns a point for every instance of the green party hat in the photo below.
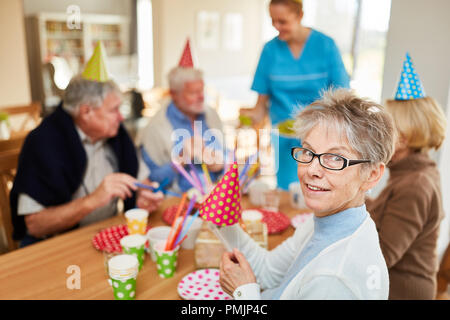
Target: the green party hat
pixel 95 69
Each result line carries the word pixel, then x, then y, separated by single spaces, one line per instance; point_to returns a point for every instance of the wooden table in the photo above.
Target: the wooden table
pixel 40 271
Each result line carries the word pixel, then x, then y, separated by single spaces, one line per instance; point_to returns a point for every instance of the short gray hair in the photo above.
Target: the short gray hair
pixel 178 76
pixel 82 91
pixel 368 127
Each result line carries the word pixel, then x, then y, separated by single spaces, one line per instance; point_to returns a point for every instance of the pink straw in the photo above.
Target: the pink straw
pixel 185 174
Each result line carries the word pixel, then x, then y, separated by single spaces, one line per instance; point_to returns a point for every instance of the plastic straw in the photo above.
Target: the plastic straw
pixel 191 205
pixel 185 174
pixel 196 178
pixel 185 230
pixel 209 182
pixel 180 242
pixel 180 207
pixel 215 230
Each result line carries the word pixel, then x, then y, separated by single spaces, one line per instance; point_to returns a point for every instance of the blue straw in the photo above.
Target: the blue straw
pixel 183 233
pixel 160 188
pixel 190 206
pixel 144 186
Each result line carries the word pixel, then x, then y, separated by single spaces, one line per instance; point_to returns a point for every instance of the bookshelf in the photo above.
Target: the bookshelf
pixel 49 37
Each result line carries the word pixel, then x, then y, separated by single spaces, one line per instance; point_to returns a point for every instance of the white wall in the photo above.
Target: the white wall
pixel 175 20
pixel 422 28
pixel 122 7
pixel 14 78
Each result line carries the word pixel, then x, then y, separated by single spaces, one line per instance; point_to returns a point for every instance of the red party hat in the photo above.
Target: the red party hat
pixel 223 205
pixel 186 57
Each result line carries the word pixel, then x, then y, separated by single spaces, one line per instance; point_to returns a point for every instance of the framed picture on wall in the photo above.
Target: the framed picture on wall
pixel 232 32
pixel 208 29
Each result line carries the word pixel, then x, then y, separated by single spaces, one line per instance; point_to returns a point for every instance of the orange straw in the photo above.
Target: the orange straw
pixel 175 236
pixel 180 226
pixel 171 235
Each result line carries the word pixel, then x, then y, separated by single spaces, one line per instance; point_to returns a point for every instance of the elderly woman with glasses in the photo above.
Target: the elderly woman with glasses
pixel 335 255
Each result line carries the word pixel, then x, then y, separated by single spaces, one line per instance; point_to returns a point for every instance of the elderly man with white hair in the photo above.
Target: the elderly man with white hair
pixel 170 133
pixel 76 164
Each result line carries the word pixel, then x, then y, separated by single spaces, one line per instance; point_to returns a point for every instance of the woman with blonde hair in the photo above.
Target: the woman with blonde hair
pixel 293 69
pixel 409 209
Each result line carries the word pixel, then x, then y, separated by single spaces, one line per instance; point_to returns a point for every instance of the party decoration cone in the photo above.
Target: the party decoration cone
pixel 95 69
pixel 223 205
pixel 409 86
pixel 186 57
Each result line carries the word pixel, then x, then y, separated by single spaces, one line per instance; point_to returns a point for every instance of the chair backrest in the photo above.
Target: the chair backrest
pixel 23 118
pixel 9 156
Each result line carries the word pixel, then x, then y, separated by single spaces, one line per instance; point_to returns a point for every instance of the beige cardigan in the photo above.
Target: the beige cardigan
pixel 407 214
pixel 156 136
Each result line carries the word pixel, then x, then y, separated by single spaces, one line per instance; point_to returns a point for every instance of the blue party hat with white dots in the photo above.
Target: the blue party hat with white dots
pixel 409 86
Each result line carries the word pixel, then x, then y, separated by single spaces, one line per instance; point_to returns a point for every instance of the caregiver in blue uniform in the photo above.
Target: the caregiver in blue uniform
pixel 292 71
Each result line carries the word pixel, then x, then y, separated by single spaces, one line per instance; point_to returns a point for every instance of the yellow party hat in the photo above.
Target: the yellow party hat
pixel 95 69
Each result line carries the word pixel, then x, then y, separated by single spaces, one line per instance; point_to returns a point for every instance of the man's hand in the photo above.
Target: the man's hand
pixel 148 200
pixel 235 271
pixel 113 185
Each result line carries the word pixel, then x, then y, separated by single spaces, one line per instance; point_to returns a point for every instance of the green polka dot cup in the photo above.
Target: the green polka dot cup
pixel 134 245
pixel 166 261
pixel 123 270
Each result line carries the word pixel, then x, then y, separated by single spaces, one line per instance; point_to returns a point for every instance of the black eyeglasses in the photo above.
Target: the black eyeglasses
pixel 329 161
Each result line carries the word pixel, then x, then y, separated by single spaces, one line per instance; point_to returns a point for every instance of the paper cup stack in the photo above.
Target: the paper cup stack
pixel 134 245
pixel 123 270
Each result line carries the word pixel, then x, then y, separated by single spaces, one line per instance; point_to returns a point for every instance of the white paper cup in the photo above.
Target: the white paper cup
pixel 253 221
pixel 154 235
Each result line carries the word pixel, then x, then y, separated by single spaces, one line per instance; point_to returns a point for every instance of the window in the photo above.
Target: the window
pixel 359 28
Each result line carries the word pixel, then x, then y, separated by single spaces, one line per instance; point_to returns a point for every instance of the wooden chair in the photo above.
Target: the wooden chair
pixel 9 156
pixel 23 118
pixel 443 276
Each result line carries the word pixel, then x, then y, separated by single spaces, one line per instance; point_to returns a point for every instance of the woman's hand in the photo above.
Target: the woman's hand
pixel 258 112
pixel 235 271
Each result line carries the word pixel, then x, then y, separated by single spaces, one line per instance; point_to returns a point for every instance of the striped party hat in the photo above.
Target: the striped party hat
pixel 409 86
pixel 95 69
pixel 223 205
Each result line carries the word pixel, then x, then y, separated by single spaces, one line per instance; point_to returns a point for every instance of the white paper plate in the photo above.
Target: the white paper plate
pixel 202 284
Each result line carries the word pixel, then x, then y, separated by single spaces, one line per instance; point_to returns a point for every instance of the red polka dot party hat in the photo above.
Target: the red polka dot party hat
pixel 223 205
pixel 186 57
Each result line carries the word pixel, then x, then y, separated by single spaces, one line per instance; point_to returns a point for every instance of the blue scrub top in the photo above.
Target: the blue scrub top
pixel 291 83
